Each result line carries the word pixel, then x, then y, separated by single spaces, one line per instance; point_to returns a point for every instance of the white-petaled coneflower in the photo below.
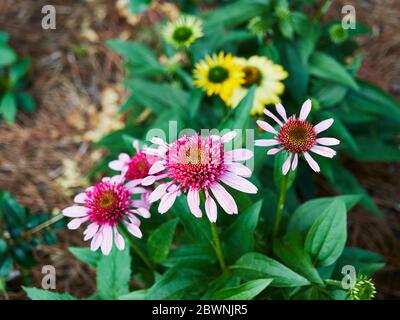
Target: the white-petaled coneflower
pixel 183 32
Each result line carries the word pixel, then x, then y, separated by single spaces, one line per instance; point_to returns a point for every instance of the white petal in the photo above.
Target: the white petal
pixel 272 116
pixel 323 125
pixel 76 223
pixel 211 209
pixel 265 142
pixel 149 180
pixel 274 151
pixel 238 183
pixel 281 110
pixel 96 241
pixel 137 190
pixel 167 201
pixel 313 164
pixel 224 198
pixel 116 165
pixel 193 200
pixel 134 229
pixel 119 240
pixel 228 136
pixel 80 198
pixel 135 144
pixel 158 192
pixel 295 161
pixel 239 169
pixel 238 155
pixel 266 126
pixel 158 141
pixel 157 167
pixel 305 110
pixel 328 141
pixel 323 151
pixel 123 157
pixel 286 165
pixel 143 212
pixel 90 231
pixel 106 244
pixel 75 212
pixel 153 152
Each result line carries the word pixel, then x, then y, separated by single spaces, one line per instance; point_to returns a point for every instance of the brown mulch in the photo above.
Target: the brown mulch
pixel 71 66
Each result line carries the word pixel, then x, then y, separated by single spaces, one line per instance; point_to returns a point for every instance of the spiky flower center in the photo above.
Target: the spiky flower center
pixel 364 289
pixel 252 75
pixel 107 202
pixel 139 166
pixel 182 34
pixel 297 135
pixel 195 162
pixel 218 74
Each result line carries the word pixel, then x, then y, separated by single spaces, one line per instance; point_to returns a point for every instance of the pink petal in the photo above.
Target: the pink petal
pixel 281 110
pixel 133 219
pixel 153 152
pixel 158 192
pixel 286 165
pixel 167 201
pixel 133 183
pixel 313 164
pixel 158 141
pixel 194 202
pixel 90 231
pixel 137 190
pixel 80 198
pixel 149 180
pixel 238 155
pixel 116 165
pixel 323 151
pixel 265 142
pixel 228 136
pixel 157 167
pixel 135 144
pixel 96 241
pixel 295 161
pixel 272 116
pixel 225 200
pixel 211 209
pixel 118 239
pixel 117 179
pixel 106 244
pixel 239 169
pixel 76 223
pixel 143 212
pixel 328 141
pixel 266 126
pixel 274 151
pixel 123 157
pixel 323 125
pixel 134 229
pixel 305 110
pixel 75 212
pixel 238 183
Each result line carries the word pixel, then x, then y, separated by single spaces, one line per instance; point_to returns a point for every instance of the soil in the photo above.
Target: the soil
pixel 72 71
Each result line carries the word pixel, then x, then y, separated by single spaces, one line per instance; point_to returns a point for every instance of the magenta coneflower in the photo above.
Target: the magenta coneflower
pixel 105 205
pixel 194 164
pixel 134 170
pixel 297 136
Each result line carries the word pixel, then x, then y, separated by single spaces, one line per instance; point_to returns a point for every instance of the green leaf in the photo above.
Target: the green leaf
pixel 138 6
pixel 326 238
pixel 7 55
pixel 39 294
pixel 307 42
pixel 14 214
pixel 291 251
pixel 8 107
pixel 307 213
pixel 113 274
pixel 245 224
pixel 160 241
pixel 245 291
pixel 280 158
pixel 238 118
pixel 19 69
pixel 257 266
pixel 86 255
pixel 26 102
pixel 325 67
pixel 4 37
pixel 134 295
pixel 226 280
pixel 372 149
pixel 191 256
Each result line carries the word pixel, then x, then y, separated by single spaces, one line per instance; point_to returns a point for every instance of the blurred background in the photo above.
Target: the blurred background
pixel 75 80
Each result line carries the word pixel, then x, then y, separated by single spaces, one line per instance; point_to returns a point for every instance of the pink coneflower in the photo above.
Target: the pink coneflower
pixel 105 205
pixel 194 164
pixel 297 136
pixel 134 170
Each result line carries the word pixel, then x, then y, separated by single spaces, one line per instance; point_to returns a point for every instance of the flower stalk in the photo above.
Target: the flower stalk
pixel 281 204
pixel 217 247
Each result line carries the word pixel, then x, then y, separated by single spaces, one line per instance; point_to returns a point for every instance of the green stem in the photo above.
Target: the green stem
pixel 217 247
pixel 279 208
pixel 331 282
pixel 136 248
pixel 323 9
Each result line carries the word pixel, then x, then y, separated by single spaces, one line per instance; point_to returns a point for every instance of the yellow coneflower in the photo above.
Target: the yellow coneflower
pixel 219 74
pixel 266 76
pixel 183 31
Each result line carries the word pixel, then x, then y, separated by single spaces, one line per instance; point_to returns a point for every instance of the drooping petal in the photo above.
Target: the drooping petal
pixel 286 165
pixel 133 183
pixel 238 155
pixel 238 183
pixel 157 167
pixel 158 192
pixel 272 116
pixel 90 231
pixel 323 151
pixel 193 200
pixel 323 125
pixel 224 198
pixel 106 244
pixel 167 201
pixel 137 190
pixel 273 151
pixel 328 141
pixel 76 223
pixel 116 165
pixel 281 110
pixel 75 211
pixel 118 239
pixel 266 142
pixel 149 180
pixel 266 126
pixel 96 241
pixel 239 169
pixel 133 219
pixel 312 163
pixel 228 136
pixel 295 161
pixel 143 212
pixel 305 110
pixel 134 229
pixel 80 198
pixel 211 209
